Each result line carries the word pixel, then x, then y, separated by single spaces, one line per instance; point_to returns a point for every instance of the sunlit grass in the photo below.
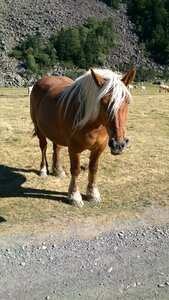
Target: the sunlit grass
pixel 129 183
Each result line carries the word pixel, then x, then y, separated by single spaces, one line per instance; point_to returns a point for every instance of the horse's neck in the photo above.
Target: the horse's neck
pixel 99 124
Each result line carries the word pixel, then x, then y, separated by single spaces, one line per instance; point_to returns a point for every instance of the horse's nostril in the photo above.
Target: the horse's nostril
pixel 116 146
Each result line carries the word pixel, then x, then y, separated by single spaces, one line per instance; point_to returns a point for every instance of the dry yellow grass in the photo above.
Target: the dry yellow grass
pixel 129 183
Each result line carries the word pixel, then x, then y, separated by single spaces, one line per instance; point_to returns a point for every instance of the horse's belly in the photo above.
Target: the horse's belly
pixel 57 139
pixel 53 132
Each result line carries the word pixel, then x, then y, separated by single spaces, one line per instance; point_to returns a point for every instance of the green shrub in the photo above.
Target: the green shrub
pixel 151 18
pixel 83 47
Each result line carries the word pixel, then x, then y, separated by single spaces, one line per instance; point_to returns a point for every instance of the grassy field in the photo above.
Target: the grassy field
pixel 128 184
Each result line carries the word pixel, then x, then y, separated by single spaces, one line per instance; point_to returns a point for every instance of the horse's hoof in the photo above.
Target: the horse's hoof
pixel 93 195
pixel 94 200
pixel 43 174
pixel 75 199
pixel 76 203
pixel 59 174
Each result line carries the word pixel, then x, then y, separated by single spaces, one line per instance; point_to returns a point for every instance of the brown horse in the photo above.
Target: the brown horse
pixel 87 113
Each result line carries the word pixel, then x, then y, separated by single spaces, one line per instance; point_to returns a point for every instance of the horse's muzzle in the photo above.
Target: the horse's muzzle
pixel 116 147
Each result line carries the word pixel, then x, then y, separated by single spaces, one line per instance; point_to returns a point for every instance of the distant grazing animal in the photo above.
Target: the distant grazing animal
pixel 30 89
pixel 130 87
pixel 143 88
pixel 88 113
pixel 163 87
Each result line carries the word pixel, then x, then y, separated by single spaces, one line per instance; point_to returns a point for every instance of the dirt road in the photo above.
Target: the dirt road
pixel 128 261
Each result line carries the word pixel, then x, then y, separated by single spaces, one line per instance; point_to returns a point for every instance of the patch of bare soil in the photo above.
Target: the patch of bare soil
pixel 127 259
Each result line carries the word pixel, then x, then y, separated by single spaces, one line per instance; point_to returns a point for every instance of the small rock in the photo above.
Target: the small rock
pixel 121 235
pixel 161 285
pixel 110 269
pixel 44 247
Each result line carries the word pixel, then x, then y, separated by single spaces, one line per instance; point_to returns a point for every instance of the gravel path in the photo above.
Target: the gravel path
pixel 128 263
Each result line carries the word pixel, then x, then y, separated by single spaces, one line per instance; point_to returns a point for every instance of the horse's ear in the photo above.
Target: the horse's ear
pixel 97 78
pixel 130 75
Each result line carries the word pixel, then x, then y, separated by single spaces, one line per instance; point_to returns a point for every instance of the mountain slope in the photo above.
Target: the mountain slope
pixel 18 18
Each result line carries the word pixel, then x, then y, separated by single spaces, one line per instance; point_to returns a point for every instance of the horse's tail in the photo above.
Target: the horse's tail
pixel 35 130
pixel 32 114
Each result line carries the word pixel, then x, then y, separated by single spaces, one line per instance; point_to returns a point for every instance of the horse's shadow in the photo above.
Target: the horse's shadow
pixel 11 186
pixel 2 219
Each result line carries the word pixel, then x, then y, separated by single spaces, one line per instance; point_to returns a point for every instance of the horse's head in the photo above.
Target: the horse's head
pixel 115 119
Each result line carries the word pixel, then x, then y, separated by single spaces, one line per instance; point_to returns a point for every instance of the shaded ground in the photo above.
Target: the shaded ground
pixel 129 260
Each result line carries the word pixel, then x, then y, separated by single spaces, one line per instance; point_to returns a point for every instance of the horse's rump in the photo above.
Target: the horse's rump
pixel 43 101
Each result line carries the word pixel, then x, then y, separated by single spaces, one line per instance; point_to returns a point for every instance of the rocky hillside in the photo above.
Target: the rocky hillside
pixel 19 18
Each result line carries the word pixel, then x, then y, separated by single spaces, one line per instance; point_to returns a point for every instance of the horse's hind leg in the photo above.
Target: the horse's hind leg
pixel 56 167
pixel 43 146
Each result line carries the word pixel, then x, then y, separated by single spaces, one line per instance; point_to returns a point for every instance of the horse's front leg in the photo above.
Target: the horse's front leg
pixel 92 193
pixel 74 196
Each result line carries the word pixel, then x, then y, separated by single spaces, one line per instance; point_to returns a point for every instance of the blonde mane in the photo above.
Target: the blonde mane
pixel 88 95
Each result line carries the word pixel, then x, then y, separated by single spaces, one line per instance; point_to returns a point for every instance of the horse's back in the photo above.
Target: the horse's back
pixel 49 81
pixel 47 89
pixel 51 85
